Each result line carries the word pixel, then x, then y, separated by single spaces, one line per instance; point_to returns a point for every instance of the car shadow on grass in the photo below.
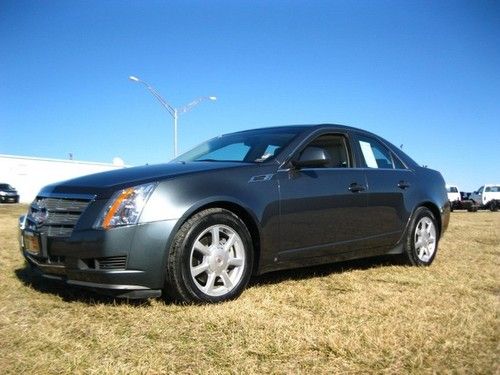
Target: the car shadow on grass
pixel 70 293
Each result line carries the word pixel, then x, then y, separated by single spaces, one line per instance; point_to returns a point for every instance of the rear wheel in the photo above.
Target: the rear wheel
pixel 211 258
pixel 494 206
pixel 422 238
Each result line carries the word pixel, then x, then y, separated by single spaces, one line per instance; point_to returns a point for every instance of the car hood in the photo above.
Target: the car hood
pixel 104 184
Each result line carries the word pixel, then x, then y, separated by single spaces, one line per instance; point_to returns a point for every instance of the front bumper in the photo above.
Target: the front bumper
pixel 124 262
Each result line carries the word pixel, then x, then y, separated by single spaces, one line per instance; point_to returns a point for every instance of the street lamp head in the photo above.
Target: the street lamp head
pixel 134 78
pixel 214 98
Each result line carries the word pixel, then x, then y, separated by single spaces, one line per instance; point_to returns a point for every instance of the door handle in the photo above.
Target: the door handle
pixel 356 188
pixel 403 185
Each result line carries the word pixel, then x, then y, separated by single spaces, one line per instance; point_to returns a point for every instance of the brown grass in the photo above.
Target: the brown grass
pixel 359 317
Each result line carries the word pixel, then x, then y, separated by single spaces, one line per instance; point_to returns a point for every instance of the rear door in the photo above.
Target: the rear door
pixel 391 186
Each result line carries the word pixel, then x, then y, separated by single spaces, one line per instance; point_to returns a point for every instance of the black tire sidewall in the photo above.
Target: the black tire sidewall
pixel 410 250
pixel 222 217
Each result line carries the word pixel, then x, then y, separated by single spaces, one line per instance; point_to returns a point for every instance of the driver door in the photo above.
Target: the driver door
pixel 323 208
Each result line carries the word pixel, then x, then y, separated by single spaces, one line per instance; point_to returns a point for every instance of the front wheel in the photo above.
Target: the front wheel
pixel 211 258
pixel 421 239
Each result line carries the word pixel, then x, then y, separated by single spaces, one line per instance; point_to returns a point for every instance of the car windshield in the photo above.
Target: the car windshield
pixel 253 146
pixel 6 187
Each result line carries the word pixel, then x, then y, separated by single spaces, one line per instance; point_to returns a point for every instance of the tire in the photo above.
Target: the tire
pixel 201 269
pixel 494 206
pixel 421 243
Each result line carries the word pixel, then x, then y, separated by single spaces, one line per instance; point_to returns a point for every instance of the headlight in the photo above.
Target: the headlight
pixel 2 193
pixel 125 207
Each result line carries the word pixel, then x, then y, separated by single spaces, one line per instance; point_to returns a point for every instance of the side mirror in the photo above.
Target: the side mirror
pixel 311 157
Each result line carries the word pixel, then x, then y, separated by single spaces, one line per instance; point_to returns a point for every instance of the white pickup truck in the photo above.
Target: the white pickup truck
pixel 453 193
pixel 487 196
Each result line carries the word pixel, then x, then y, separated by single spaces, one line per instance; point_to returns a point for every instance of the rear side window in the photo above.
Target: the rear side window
pixel 376 155
pixel 492 189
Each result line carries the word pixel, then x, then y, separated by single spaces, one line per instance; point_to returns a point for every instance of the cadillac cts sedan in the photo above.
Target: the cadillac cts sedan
pixel 238 205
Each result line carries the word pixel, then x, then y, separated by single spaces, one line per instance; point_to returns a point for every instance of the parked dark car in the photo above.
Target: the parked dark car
pixel 238 205
pixel 8 194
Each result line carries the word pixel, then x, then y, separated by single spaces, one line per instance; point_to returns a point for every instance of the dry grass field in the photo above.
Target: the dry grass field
pixel 370 316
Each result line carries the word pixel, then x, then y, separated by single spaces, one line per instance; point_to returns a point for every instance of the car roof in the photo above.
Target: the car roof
pixel 302 127
pixel 333 127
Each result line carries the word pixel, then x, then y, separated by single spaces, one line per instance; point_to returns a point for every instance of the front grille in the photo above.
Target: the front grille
pixel 58 231
pixel 56 216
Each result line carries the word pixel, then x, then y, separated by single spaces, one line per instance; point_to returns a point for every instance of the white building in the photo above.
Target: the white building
pixel 28 174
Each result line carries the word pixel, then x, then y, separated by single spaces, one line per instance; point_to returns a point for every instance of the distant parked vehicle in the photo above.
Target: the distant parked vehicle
pixel 487 196
pixel 459 200
pixel 464 195
pixel 8 193
pixel 453 193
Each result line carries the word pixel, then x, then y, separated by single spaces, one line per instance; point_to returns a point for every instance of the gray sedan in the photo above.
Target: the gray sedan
pixel 238 205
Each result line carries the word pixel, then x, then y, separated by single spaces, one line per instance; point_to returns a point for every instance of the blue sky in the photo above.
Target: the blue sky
pixel 425 74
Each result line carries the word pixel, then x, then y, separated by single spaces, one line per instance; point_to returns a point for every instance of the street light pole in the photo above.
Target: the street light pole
pixel 174 112
pixel 175 132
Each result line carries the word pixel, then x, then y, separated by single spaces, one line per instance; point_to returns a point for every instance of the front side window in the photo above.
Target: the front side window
pixel 335 148
pixel 492 189
pixel 375 154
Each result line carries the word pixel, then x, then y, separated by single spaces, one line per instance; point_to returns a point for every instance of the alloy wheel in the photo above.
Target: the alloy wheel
pixel 217 260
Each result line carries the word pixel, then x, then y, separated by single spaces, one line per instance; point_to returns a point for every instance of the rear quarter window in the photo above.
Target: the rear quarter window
pixel 376 155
